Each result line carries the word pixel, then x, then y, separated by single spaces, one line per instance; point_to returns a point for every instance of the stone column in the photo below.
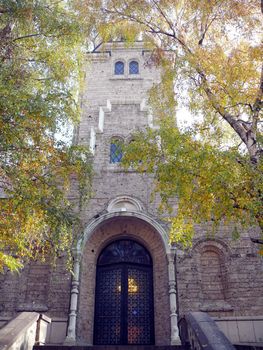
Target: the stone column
pixel 71 331
pixel 172 295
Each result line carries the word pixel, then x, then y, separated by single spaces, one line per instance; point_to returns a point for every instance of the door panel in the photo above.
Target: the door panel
pixel 124 295
pixel 108 307
pixel 124 306
pixel 140 310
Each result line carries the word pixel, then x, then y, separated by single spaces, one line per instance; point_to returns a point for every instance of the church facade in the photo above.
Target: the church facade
pixel 130 285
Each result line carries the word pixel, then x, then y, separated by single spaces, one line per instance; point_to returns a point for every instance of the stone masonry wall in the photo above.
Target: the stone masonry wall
pixel 128 113
pixel 237 283
pixel 219 275
pixel 38 287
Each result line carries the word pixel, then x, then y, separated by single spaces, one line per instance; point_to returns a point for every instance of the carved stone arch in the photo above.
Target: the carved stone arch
pixel 137 59
pixel 119 59
pixel 117 137
pixel 124 203
pixel 215 242
pixel 100 220
pixel 129 139
pixel 150 233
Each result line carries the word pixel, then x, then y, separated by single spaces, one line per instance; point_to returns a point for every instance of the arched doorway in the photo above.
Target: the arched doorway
pixel 124 295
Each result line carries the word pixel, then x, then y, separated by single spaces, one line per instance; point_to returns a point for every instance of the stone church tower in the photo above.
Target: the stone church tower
pixel 125 264
pixel 125 247
pixel 130 285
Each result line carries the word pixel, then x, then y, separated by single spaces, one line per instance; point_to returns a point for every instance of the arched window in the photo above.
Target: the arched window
pixel 124 250
pixel 134 67
pixel 116 147
pixel 119 68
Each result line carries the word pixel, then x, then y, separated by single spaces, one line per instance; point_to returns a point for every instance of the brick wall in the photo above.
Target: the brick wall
pixel 235 274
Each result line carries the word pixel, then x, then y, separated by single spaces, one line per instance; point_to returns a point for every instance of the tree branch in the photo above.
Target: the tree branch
pixel 27 36
pixel 165 17
pixel 257 106
pixel 148 24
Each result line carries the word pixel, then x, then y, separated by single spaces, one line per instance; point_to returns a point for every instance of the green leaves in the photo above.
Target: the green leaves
pixel 210 185
pixel 210 56
pixel 40 50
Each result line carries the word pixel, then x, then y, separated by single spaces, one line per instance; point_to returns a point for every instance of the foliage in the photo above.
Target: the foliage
pixel 211 56
pixel 210 184
pixel 40 50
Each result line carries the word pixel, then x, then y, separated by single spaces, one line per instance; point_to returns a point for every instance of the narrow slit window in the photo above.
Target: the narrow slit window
pixel 119 68
pixel 134 67
pixel 116 151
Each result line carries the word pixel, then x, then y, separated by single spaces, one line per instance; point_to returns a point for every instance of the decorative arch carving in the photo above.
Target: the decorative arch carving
pixel 124 203
pixel 100 220
pixel 220 245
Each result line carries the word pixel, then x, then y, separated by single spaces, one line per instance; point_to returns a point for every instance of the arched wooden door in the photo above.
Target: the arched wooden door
pixel 124 295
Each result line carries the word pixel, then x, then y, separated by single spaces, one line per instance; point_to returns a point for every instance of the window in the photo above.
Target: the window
pixel 116 151
pixel 119 68
pixel 134 67
pixel 124 250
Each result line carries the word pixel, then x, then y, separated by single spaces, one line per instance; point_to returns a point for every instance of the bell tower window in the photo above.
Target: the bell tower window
pixel 119 68
pixel 116 150
pixel 133 67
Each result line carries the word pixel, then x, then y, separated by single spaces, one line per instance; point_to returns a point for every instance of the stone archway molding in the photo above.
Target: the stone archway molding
pixel 124 203
pixel 93 225
pixel 98 221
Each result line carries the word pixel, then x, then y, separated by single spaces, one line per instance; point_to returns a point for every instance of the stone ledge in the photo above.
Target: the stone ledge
pixel 216 306
pixel 30 307
pixel 16 328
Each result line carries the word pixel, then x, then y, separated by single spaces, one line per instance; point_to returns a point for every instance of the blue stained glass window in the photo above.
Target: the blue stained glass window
pixel 115 151
pixel 119 68
pixel 134 67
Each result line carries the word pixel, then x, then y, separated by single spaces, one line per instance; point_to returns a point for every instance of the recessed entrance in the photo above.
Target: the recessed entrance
pixel 124 295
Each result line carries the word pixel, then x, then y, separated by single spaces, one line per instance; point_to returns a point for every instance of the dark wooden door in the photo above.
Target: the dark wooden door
pixel 124 300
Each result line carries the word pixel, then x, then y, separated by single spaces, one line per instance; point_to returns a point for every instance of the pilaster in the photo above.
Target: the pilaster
pixel 71 330
pixel 172 296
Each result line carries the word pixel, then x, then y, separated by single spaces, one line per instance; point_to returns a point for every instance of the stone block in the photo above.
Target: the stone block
pixel 246 331
pixel 258 329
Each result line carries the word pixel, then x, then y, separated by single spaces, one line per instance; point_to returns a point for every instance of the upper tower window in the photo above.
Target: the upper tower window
pixel 119 68
pixel 134 67
pixel 116 150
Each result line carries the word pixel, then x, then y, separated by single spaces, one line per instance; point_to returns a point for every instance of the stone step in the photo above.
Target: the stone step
pixel 108 347
pixel 249 346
